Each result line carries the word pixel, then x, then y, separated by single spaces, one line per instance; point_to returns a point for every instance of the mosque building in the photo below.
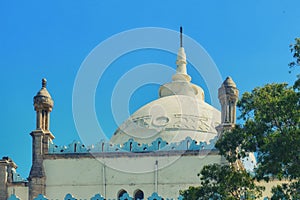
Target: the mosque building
pixel 154 154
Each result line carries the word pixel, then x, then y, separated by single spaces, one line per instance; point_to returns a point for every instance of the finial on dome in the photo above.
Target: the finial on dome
pixel 44 83
pixel 181 73
pixel 181 36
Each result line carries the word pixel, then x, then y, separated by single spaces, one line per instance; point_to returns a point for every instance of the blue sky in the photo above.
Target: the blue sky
pixel 248 40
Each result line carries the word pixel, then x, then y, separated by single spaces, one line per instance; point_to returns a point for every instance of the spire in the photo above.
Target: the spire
pixel 180 36
pixel 44 83
pixel 181 72
pixel 181 81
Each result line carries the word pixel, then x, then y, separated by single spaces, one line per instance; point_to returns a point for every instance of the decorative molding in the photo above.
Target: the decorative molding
pixel 69 197
pixel 97 197
pixel 125 196
pixel 13 197
pixel 40 197
pixel 155 196
pixel 132 146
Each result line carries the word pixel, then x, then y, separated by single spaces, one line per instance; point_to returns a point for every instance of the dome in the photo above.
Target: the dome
pixel 181 88
pixel 43 99
pixel 43 93
pixel 229 82
pixel 172 118
pixel 180 112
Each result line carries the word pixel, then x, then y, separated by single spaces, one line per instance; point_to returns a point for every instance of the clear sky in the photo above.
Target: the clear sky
pixel 247 40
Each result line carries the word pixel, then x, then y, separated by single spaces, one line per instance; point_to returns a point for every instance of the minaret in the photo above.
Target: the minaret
pixel 43 105
pixel 41 137
pixel 228 97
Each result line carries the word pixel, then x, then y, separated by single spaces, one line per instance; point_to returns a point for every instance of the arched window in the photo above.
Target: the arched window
pixel 120 193
pixel 138 195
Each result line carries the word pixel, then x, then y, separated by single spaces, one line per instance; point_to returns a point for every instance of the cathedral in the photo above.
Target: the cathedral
pixel 155 153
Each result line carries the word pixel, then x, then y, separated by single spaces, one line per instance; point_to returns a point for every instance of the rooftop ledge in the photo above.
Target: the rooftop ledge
pixel 131 146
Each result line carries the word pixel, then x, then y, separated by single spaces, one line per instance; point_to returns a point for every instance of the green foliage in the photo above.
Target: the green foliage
pixel 279 192
pixel 271 116
pixel 297 83
pixel 271 128
pixel 286 191
pixel 295 50
pixel 223 182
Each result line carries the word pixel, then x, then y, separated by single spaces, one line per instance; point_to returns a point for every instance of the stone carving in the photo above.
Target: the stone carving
pixel 160 121
pixel 178 121
pixel 144 121
pixel 191 122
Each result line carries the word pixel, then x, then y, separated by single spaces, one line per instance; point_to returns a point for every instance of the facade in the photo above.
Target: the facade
pixel 160 148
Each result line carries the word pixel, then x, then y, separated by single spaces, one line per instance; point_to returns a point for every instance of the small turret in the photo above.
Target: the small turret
pixel 228 96
pixel 43 105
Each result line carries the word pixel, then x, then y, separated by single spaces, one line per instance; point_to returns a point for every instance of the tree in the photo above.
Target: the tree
pixel 292 190
pixel 271 117
pixel 286 191
pixel 223 182
pixel 271 128
pixel 295 50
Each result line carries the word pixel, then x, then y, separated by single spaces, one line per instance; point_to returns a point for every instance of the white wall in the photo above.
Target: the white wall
pixel 84 177
pixel 19 190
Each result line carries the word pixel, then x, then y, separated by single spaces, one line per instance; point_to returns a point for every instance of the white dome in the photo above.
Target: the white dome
pixel 180 112
pixel 172 118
